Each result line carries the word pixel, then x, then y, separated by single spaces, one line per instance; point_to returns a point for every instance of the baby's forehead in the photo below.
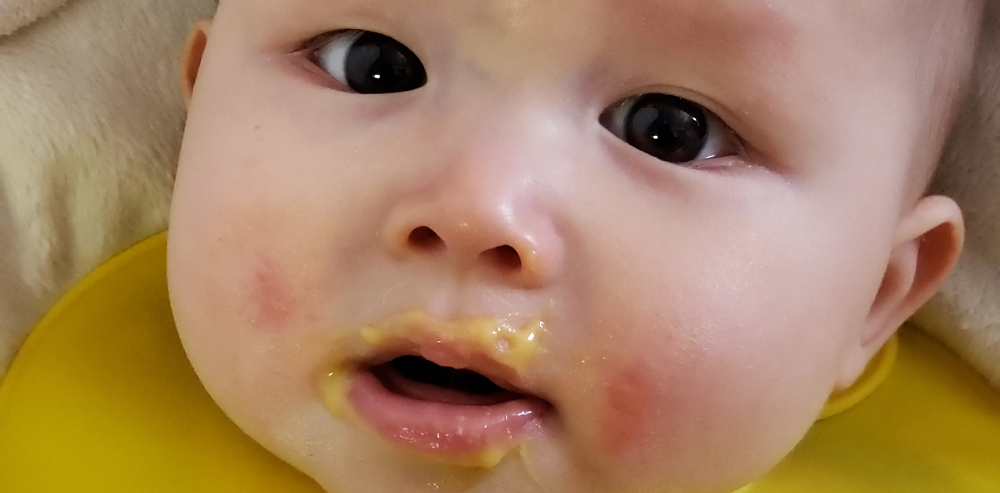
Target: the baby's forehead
pixel 744 22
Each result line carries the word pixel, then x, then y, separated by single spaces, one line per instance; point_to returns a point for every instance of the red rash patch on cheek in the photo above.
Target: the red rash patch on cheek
pixel 271 298
pixel 628 408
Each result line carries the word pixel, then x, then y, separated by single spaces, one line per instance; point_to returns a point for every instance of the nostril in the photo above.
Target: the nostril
pixel 425 239
pixel 504 258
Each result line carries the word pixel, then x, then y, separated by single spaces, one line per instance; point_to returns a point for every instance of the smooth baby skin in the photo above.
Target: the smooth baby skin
pixel 709 266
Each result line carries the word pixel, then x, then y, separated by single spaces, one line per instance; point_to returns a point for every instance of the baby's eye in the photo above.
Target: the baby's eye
pixel 669 128
pixel 370 63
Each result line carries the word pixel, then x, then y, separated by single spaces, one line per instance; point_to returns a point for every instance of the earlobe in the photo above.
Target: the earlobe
pixel 927 243
pixel 194 48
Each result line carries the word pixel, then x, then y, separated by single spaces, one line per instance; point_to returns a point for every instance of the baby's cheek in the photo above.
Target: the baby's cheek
pixel 646 417
pixel 272 299
pixel 628 408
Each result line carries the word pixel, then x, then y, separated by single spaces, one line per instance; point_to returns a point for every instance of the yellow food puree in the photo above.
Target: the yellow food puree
pixel 102 399
pixel 509 346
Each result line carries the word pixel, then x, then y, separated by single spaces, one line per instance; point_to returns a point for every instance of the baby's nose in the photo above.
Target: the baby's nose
pixel 504 259
pixel 490 199
pixel 479 231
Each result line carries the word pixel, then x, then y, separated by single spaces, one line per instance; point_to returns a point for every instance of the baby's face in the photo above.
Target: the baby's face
pixel 651 232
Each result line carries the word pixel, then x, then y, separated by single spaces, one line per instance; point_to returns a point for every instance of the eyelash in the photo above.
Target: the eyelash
pixel 666 127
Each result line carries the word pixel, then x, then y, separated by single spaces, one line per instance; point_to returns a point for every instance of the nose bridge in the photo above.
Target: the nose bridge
pixel 486 209
pixel 504 142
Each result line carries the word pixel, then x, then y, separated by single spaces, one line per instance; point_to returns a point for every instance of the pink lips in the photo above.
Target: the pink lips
pixel 440 420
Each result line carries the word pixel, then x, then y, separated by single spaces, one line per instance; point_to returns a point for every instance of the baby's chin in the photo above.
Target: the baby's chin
pixel 535 468
pixel 392 472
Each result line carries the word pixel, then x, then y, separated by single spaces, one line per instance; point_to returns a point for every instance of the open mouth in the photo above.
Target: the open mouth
pixel 459 416
pixel 456 392
pixel 418 378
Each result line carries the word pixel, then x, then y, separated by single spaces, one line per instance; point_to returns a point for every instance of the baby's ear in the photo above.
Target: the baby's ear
pixel 191 57
pixel 927 243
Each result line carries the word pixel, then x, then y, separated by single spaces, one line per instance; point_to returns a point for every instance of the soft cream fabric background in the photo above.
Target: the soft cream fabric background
pixel 17 13
pixel 90 121
pixel 966 313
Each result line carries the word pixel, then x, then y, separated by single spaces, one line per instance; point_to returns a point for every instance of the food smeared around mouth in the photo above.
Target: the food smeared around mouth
pixel 449 391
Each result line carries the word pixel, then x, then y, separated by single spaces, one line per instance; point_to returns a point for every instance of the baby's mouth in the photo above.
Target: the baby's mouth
pixel 448 391
pixel 418 378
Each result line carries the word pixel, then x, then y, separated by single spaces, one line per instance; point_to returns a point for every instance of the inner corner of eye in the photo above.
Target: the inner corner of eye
pixel 336 43
pixel 331 49
pixel 614 117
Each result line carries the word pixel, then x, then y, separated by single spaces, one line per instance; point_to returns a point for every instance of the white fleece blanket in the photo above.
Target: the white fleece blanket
pixel 91 120
pixel 965 315
pixel 15 14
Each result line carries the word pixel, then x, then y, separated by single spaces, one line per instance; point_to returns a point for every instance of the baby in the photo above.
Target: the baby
pixel 502 245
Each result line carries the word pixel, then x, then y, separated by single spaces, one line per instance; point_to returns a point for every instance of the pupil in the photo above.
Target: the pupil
pixel 667 127
pixel 379 64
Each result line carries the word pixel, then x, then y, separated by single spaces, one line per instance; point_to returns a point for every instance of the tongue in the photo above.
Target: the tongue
pixel 417 378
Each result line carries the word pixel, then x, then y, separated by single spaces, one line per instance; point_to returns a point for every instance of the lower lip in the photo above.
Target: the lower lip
pixel 468 435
